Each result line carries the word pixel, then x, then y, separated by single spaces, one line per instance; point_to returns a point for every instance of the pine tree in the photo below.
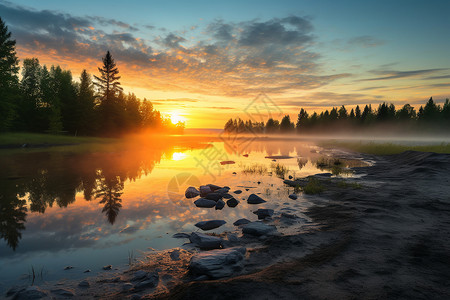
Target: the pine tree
pixel 9 81
pixel 86 102
pixel 108 83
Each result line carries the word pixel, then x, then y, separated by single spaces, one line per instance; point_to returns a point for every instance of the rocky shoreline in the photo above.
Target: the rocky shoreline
pixel 384 234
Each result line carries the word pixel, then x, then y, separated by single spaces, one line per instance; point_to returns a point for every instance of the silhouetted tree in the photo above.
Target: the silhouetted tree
pixel 272 126
pixel 286 125
pixel 302 120
pixel 9 81
pixel 86 101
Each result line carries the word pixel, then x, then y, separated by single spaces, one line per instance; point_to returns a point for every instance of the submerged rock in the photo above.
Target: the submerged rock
pixel 31 292
pixel 175 254
pixel 181 235
pixel 293 196
pixel 218 263
pixel 127 286
pixel 68 268
pixel 205 241
pixel 220 204
pixel 223 190
pixel 202 202
pixel 232 202
pixel 191 192
pixel 208 225
pixel 214 196
pixel 63 292
pixel 237 191
pixel 205 190
pixel 84 284
pixel 258 228
pixel 241 222
pixel 255 199
pixel 263 213
pixel 108 267
pixel 227 196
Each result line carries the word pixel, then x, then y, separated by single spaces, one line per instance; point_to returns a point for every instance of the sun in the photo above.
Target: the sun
pixel 175 118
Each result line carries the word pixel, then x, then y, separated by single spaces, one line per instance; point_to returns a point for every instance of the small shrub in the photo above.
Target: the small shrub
pixel 313 187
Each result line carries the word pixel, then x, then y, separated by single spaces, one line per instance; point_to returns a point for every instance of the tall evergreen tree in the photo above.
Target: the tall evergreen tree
pixel 9 81
pixel 86 101
pixel 31 101
pixel 108 83
pixel 302 120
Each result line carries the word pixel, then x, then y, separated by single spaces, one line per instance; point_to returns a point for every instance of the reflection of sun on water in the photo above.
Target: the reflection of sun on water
pixel 178 156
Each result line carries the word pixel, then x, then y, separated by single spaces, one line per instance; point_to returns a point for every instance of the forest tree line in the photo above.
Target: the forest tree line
pixel 430 116
pixel 47 99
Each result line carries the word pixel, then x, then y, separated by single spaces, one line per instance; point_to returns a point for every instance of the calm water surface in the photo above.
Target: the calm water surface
pixel 91 209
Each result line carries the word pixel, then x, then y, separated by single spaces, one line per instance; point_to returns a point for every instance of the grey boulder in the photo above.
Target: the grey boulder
pixel 214 187
pixel 258 228
pixel 218 263
pixel 241 222
pixel 191 192
pixel 232 202
pixel 205 241
pixel 263 213
pixel 202 202
pixel 205 190
pixel 208 225
pixel 214 196
pixel 255 199
pixel 293 196
pixel 220 204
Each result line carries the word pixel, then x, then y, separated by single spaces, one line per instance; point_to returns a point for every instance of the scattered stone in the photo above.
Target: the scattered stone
pixel 214 187
pixel 241 222
pixel 87 271
pixel 227 196
pixel 237 191
pixel 139 275
pixel 202 202
pixel 255 199
pixel 181 235
pixel 293 196
pixel 214 196
pixel 232 202
pixel 220 204
pixel 175 254
pixel 222 191
pixel 218 263
pixel 258 228
pixel 263 213
pixel 234 173
pixel 326 175
pixel 84 284
pixel 208 225
pixel 63 292
pixel 259 182
pixel 68 268
pixel 274 160
pixel 108 267
pixel 245 155
pixel 31 292
pixel 247 190
pixel 150 281
pixel 205 241
pixel 299 182
pixel 135 297
pixel 205 190
pixel 227 162
pixel 191 192
pixel 232 237
pixel 127 286
pixel 290 177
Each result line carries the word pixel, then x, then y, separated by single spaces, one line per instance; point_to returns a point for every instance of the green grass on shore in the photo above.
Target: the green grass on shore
pixel 385 148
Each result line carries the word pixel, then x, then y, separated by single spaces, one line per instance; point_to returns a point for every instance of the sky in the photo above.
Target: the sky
pixel 208 61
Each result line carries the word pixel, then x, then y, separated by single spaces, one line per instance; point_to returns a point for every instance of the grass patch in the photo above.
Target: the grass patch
pixel 313 187
pixel 279 170
pixel 254 169
pixel 353 185
pixel 385 148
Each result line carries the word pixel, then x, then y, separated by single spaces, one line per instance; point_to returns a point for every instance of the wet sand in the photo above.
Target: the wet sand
pixel 388 239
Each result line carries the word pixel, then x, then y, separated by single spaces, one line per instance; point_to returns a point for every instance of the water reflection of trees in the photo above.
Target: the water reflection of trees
pixel 53 178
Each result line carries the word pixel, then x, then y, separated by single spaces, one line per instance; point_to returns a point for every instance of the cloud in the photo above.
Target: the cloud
pixel 365 41
pixel 438 77
pixel 329 99
pixel 229 59
pixel 391 74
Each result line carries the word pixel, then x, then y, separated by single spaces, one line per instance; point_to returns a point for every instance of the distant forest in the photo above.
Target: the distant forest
pixel 431 117
pixel 49 100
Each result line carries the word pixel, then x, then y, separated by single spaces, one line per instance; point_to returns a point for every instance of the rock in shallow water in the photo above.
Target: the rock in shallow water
pixel 63 292
pixel 205 241
pixel 258 228
pixel 31 292
pixel 84 284
pixel 218 263
pixel 205 190
pixel 181 235
pixel 208 225
pixel 255 199
pixel 263 213
pixel 202 202
pixel 293 196
pixel 214 187
pixel 191 192
pixel 232 202
pixel 220 204
pixel 150 281
pixel 214 196
pixel 241 222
